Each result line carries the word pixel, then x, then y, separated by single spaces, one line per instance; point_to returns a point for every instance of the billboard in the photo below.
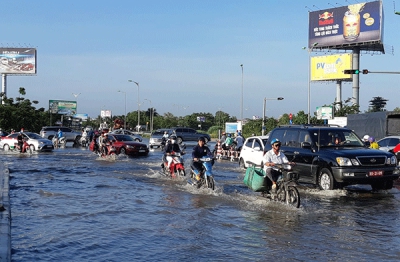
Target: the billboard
pixel 347 26
pixel 18 60
pixel 105 113
pixel 331 67
pixel 62 107
pixel 324 112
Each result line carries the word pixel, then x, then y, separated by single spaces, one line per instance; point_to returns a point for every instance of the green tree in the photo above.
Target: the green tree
pixel 377 104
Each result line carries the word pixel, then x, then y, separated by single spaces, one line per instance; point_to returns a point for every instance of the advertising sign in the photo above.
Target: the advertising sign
pixel 352 25
pixel 231 128
pixel 325 112
pixel 201 119
pixel 331 67
pixel 17 60
pixel 84 117
pixel 62 107
pixel 105 113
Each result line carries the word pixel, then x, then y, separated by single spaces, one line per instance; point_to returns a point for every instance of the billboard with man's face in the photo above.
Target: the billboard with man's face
pixel 17 60
pixel 358 24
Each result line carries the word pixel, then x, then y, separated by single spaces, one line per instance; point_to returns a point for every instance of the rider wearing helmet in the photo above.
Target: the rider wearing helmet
pixel 199 151
pixel 373 143
pixel 366 140
pixel 272 157
pixel 172 147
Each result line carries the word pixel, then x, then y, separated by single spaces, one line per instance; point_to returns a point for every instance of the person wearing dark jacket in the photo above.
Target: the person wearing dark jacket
pixel 199 151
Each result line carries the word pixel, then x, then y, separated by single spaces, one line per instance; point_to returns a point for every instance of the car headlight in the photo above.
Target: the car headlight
pixel 344 161
pixel 129 146
pixel 391 161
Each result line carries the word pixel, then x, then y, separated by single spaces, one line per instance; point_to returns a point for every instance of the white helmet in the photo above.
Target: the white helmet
pixel 365 138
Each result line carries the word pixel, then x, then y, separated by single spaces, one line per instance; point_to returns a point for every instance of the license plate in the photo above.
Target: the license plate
pixel 142 151
pixel 376 173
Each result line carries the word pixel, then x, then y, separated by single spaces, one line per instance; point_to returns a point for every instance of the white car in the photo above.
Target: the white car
pixel 36 142
pixel 253 151
pixel 388 143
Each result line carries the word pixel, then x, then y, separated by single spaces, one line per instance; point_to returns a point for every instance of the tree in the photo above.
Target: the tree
pixel 377 104
pixel 346 109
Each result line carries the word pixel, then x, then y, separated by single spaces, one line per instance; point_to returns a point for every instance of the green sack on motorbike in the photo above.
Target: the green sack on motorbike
pixel 255 179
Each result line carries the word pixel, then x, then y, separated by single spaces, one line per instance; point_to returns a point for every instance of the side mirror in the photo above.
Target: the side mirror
pixel 305 145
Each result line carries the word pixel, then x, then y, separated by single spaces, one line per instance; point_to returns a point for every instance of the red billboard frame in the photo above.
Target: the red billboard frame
pixel 21 61
pixel 342 28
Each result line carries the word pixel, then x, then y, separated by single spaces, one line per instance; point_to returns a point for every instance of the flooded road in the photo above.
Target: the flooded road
pixel 70 205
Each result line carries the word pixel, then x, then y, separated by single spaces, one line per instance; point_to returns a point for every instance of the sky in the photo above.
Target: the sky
pixel 186 55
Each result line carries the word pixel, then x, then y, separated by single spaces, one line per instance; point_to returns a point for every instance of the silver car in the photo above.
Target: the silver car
pixel 136 137
pixel 36 142
pixel 157 137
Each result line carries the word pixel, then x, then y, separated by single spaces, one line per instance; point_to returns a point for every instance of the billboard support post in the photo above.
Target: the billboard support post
pixel 356 77
pixel 3 87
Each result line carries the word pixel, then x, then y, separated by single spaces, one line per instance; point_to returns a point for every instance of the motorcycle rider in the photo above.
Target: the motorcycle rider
pixel 104 143
pixel 373 143
pixel 199 151
pixel 58 136
pixel 171 148
pixel 20 140
pixel 239 141
pixel 272 157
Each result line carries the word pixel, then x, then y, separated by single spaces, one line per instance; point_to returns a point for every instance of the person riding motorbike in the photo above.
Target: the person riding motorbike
pixel 20 139
pixel 272 157
pixel 104 143
pixel 373 143
pixel 228 142
pixel 366 140
pixel 172 147
pixel 199 151
pixel 239 141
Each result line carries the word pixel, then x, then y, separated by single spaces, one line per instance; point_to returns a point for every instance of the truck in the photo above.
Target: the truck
pixel 376 124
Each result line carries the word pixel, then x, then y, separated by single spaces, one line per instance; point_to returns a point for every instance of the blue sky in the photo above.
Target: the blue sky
pixel 186 55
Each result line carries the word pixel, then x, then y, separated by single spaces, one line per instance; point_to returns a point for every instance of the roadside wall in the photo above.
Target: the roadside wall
pixel 5 215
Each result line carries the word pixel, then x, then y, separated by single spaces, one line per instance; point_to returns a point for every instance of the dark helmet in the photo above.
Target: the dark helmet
pixel 202 139
pixel 173 137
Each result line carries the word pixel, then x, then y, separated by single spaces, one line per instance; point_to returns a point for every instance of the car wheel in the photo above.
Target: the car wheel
pixel 32 147
pixel 179 140
pixel 122 151
pixel 6 147
pixel 241 163
pixel 325 180
pixel 137 139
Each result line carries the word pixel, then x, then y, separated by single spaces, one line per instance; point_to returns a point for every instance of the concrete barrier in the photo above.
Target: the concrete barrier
pixel 5 215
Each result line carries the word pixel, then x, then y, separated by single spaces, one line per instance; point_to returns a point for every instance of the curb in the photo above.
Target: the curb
pixel 5 215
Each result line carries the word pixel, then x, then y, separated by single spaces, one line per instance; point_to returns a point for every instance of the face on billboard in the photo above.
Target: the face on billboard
pixel 17 60
pixel 356 24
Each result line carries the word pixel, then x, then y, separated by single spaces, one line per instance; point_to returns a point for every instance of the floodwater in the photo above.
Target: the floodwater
pixel 70 205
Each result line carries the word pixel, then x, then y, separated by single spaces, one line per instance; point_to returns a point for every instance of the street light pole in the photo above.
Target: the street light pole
pixel 151 115
pixel 309 81
pixel 241 104
pixel 76 97
pixel 125 108
pixel 264 109
pixel 138 102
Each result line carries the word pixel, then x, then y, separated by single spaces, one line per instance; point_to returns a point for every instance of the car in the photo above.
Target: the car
pixel 124 144
pixel 36 142
pixel 156 137
pixel 70 135
pixel 3 134
pixel 253 151
pixel 188 134
pixel 388 143
pixel 322 162
pixel 135 137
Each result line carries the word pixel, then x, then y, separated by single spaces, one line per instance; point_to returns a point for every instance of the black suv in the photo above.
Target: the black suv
pixel 333 157
pixel 188 134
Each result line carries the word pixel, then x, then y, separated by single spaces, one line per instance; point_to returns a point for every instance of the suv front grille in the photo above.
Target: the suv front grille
pixel 372 161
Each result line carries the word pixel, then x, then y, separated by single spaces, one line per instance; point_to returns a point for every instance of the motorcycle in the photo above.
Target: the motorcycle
pixel 108 150
pixel 176 167
pixel 286 184
pixel 26 148
pixel 206 175
pixel 59 141
pixel 83 141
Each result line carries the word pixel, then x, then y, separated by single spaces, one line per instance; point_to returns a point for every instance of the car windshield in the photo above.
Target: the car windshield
pixel 123 138
pixel 33 136
pixel 333 138
pixel 158 133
